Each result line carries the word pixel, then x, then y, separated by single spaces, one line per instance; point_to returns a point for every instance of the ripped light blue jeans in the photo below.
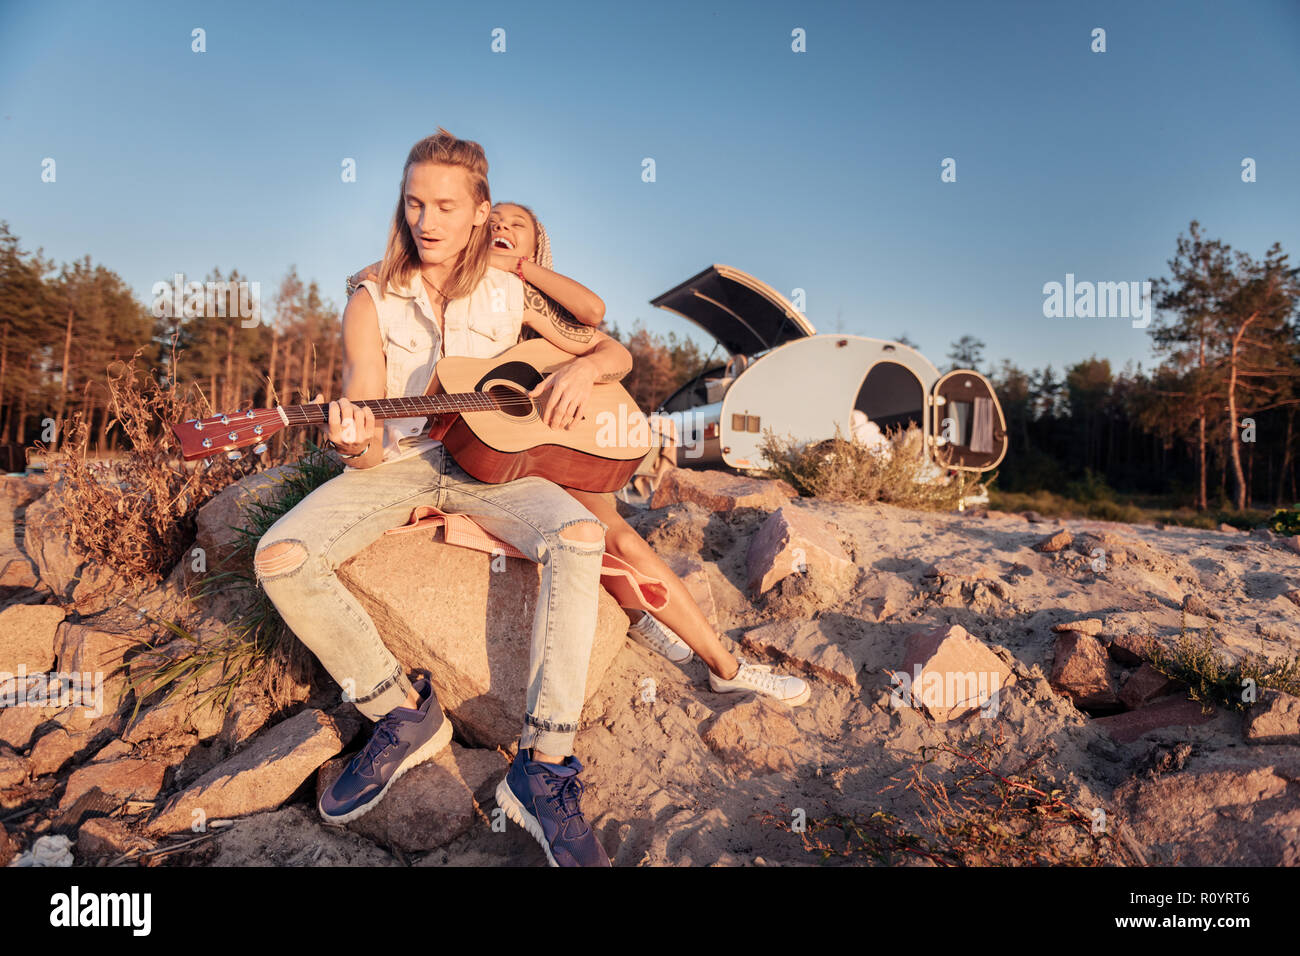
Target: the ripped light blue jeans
pixel 350 511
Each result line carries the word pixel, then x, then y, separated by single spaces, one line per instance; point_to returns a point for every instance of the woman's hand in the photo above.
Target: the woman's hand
pixel 369 272
pixel 503 259
pixel 563 396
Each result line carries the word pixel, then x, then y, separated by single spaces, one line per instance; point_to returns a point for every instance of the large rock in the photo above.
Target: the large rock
pixel 432 803
pixel 1081 671
pixel 720 490
pixel 54 749
pixel 17 570
pixel 19 491
pixel 1146 684
pixel 97 649
pixel 123 780
pixel 1168 712
pixel 443 608
pixel 221 515
pixel 13 769
pixel 792 541
pixel 756 734
pixel 19 725
pixel 1056 542
pixel 1273 719
pixel 1226 808
pixel 807 646
pixel 261 776
pixel 1089 625
pixel 1129 648
pixel 87 584
pixel 107 837
pixel 949 673
pixel 27 635
pixel 16 493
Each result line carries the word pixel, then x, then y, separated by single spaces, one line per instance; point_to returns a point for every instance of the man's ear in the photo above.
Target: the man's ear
pixel 481 214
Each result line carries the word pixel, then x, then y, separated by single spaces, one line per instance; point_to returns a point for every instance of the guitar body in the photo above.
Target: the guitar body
pixel 598 453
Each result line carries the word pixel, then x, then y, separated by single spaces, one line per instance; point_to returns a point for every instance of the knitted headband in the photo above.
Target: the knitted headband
pixel 543 253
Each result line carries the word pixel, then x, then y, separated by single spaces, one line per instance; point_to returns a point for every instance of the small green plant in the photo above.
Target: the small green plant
pixel 1286 522
pixel 255 645
pixel 841 469
pixel 1214 679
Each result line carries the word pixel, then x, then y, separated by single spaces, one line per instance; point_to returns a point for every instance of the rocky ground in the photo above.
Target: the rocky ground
pixel 1061 617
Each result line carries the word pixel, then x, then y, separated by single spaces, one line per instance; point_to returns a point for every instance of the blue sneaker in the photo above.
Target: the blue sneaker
pixel 401 739
pixel 544 800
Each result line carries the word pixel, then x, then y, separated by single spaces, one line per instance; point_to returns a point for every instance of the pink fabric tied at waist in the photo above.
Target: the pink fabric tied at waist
pixel 630 587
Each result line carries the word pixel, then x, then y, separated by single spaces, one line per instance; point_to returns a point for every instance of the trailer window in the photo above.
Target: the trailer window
pixel 891 396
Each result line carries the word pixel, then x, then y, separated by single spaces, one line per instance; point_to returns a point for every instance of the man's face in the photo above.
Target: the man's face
pixel 440 212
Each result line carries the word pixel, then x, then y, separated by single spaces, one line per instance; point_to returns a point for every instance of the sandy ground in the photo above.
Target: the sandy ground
pixel 659 794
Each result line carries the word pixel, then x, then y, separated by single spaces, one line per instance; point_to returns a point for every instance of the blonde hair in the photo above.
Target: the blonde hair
pixel 401 257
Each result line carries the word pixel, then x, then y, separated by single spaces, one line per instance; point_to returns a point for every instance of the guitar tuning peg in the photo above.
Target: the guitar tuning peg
pixel 234 455
pixel 259 448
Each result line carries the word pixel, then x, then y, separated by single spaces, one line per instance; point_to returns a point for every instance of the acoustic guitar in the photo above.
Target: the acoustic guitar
pixel 480 410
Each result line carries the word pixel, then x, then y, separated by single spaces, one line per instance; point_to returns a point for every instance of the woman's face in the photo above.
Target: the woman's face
pixel 512 230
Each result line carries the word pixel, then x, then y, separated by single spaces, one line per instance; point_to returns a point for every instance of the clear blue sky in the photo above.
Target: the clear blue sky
pixel 816 170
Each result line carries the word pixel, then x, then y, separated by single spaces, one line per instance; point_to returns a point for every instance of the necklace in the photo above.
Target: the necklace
pixel 432 286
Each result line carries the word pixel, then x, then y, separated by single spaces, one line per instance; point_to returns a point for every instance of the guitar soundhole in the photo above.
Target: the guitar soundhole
pixel 511 381
pixel 514 402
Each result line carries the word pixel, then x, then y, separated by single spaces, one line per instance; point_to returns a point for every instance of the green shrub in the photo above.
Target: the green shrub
pixel 1213 679
pixel 1286 522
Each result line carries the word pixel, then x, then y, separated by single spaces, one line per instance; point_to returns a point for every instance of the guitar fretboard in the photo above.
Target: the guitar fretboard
pixel 410 407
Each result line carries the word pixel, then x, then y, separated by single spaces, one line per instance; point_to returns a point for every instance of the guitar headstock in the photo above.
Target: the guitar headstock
pixel 205 437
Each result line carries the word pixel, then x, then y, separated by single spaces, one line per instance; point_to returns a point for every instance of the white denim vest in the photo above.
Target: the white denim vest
pixel 483 324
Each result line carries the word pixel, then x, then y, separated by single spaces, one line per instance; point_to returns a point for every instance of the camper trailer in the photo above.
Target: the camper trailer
pixel 781 375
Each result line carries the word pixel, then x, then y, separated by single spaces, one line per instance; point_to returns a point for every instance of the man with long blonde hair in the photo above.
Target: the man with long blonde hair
pixel 437 295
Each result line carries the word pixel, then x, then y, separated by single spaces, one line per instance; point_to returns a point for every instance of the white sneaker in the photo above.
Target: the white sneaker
pixel 660 639
pixel 760 679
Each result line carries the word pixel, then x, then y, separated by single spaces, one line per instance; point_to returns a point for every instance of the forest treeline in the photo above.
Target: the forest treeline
pixel 1213 423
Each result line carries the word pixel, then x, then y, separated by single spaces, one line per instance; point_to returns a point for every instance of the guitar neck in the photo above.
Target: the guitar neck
pixel 407 407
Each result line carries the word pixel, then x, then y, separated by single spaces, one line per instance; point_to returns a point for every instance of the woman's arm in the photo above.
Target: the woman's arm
pixel 599 358
pixel 544 290
pixel 541 284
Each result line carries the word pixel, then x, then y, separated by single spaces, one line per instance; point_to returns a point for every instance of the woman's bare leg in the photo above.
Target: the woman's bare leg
pixel 682 614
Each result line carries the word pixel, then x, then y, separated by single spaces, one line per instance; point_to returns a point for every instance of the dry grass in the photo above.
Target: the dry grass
pixel 136 513
pixel 841 469
pixel 984 817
